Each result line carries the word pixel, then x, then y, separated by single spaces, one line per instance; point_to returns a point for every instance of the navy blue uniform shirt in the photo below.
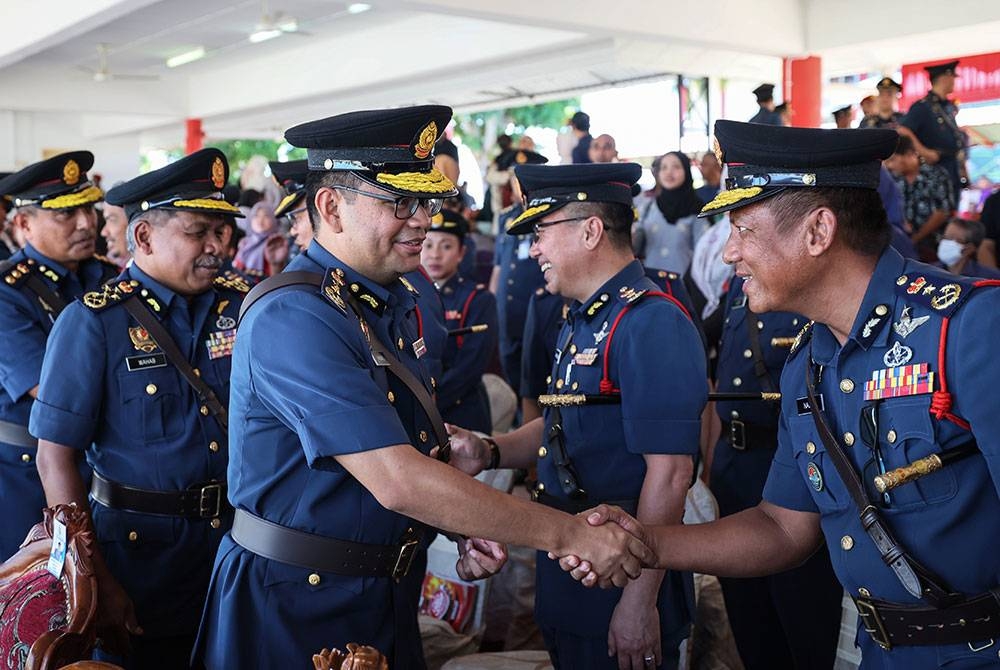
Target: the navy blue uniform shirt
pixel 106 389
pixel 25 325
pixel 461 395
pixel 949 520
pixel 305 390
pixel 658 363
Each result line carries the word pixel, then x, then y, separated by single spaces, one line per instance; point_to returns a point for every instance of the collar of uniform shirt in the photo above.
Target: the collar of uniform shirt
pixel 881 291
pixel 394 296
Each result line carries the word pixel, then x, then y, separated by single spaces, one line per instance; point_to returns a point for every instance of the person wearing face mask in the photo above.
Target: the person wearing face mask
pixel 145 398
pixel 667 227
pixel 53 208
pixel 461 395
pixel 959 246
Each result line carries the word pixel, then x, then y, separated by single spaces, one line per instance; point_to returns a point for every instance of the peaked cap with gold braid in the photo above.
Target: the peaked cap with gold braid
pixel 55 183
pixel 392 149
pixel 192 184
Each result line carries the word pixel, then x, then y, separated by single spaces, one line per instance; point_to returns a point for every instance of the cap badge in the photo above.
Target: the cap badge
pixel 218 173
pixel 428 136
pixel 71 173
pixel 717 149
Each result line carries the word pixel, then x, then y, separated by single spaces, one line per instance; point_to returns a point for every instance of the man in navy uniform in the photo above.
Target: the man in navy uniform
pixel 895 370
pixel 136 375
pixel 622 413
pixel 332 423
pixel 767 113
pixel 930 123
pixel 53 205
pixel 791 619
pixel 461 395
pixel 515 274
pixel 885 115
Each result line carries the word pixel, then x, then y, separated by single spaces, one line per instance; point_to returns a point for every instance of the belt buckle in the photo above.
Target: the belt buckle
pixel 210 500
pixel 405 558
pixel 870 617
pixel 738 435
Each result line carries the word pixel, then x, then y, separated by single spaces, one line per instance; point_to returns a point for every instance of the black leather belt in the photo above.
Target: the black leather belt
pixel 324 554
pixel 577 506
pixel 742 435
pixel 977 620
pixel 17 435
pixel 203 501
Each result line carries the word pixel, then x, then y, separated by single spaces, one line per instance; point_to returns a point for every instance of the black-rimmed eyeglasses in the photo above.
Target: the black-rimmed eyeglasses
pixel 405 207
pixel 545 224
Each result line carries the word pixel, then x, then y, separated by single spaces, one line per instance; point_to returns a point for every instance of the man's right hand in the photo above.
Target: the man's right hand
pixel 115 615
pixel 607 554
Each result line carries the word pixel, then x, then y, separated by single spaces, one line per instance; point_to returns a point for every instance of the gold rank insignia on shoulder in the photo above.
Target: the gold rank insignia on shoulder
pixel 112 294
pixel 630 295
pixel 800 338
pixel 332 285
pixel 408 286
pixel 232 281
pixel 16 273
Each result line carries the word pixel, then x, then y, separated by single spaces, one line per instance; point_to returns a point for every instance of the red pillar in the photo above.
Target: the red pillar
pixel 194 138
pixel 802 86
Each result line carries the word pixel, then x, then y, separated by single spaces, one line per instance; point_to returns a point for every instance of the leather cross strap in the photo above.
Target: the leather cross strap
pixel 50 301
pixel 916 579
pixel 395 366
pixel 162 339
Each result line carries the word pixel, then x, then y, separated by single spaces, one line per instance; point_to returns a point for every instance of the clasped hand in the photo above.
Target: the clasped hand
pixel 622 549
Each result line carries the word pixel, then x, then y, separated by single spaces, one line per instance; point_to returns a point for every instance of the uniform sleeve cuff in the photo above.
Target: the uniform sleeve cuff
pixel 61 426
pixel 350 432
pixel 660 436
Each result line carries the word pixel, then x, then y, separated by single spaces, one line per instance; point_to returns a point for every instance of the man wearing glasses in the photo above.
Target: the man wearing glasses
pixel 888 438
pixel 333 421
pixel 621 413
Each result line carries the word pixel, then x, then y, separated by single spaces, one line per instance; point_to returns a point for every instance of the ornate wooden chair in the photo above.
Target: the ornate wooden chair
pixel 47 622
pixel 357 657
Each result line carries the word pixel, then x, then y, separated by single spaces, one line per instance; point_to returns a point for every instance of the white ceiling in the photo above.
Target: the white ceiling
pixel 471 54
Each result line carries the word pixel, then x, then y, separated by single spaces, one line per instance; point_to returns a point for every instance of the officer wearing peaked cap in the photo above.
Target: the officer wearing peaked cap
pixel 515 275
pixel 291 176
pixel 330 386
pixel 885 115
pixel 930 123
pixel 461 395
pixel 887 376
pixel 621 412
pixel 53 206
pixel 136 376
pixel 767 114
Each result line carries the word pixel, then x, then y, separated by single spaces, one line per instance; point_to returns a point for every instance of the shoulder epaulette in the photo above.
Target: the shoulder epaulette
pixel 631 295
pixel 15 273
pixel 409 286
pixel 941 292
pixel 801 338
pixel 333 284
pixel 232 281
pixel 113 293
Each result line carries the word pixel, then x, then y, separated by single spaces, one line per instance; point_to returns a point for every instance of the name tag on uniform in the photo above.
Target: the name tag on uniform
pixel 802 404
pixel 220 343
pixel 419 348
pixel 146 362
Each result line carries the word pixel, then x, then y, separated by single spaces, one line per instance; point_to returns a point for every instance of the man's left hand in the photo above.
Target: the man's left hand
pixel 634 635
pixel 479 558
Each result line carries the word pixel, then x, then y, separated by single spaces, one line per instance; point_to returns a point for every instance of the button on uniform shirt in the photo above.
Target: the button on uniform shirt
pixel 106 389
pixel 949 520
pixel 25 325
pixel 518 279
pixel 658 363
pixel 461 395
pixel 932 120
pixel 305 390
pixel 738 476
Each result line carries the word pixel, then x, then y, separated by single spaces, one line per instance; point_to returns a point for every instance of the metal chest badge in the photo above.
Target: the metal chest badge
pixel 815 476
pixel 141 339
pixel 224 322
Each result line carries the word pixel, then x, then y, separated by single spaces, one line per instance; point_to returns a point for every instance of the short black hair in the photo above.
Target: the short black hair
pixel 905 146
pixel 581 121
pixel 975 231
pixel 862 223
pixel 317 180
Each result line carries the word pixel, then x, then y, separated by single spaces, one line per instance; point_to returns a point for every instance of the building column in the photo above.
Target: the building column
pixel 802 87
pixel 194 136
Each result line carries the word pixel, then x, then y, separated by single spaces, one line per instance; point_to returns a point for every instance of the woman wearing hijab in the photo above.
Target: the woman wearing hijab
pixel 667 228
pixel 252 256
